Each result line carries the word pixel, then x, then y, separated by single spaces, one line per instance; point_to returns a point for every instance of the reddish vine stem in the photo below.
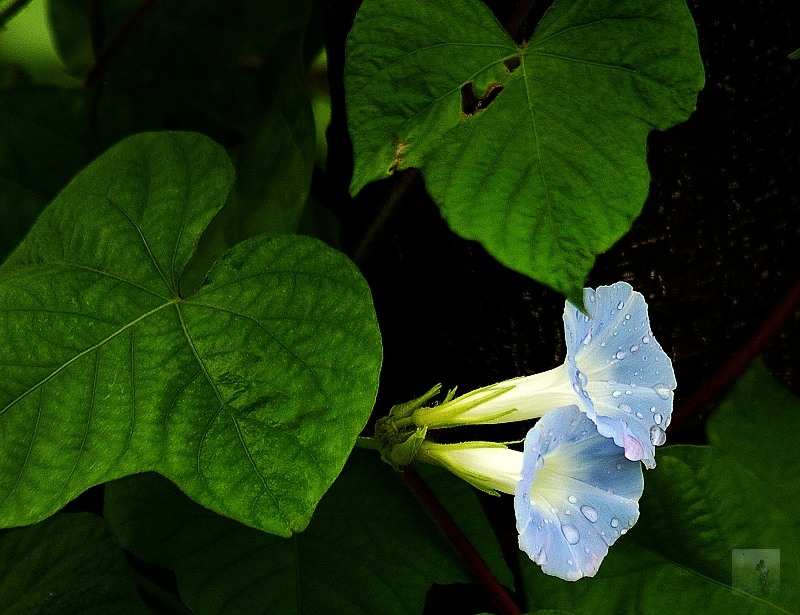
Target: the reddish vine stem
pixel 120 38
pixel 518 18
pixel 470 555
pixel 725 376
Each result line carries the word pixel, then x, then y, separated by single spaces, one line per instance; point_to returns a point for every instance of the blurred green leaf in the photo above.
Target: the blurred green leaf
pixel 461 502
pixel 233 72
pixel 248 394
pixel 44 140
pixel 369 548
pixel 69 564
pixel 795 55
pixel 702 506
pixel 538 151
pixel 43 143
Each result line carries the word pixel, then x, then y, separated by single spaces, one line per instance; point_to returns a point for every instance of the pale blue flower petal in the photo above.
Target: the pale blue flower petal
pixel 623 377
pixel 578 493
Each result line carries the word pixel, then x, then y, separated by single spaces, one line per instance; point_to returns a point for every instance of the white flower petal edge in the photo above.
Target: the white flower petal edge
pixel 577 494
pixel 624 379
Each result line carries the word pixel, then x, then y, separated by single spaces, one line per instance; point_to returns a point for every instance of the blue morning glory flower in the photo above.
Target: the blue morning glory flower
pixel 623 378
pixel 615 372
pixel 576 495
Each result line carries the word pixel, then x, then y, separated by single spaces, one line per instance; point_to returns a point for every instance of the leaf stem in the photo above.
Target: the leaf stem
pixel 120 38
pixel 471 557
pixel 372 444
pixel 10 12
pixel 726 375
pixel 403 183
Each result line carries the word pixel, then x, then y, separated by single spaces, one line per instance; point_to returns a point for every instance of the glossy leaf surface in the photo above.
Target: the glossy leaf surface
pixel 248 394
pixel 537 151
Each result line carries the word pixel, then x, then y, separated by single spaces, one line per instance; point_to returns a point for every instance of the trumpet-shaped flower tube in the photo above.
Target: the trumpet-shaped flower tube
pixel 574 491
pixel 577 494
pixel 615 372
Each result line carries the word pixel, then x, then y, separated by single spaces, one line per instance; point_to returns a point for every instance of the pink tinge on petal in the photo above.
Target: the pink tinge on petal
pixel 633 448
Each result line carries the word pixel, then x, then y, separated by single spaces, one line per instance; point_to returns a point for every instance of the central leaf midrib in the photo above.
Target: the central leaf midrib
pixel 223 408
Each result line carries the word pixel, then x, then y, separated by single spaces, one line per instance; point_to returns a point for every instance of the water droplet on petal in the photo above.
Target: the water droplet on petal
pixel 627 316
pixel 639 415
pixel 657 435
pixel 592 298
pixel 571 534
pixel 589 512
pixel 587 338
pixel 619 466
pixel 625 408
pixel 614 522
pixel 662 390
pixel 620 305
pixel 634 348
pixel 658 418
pixel 539 462
pixel 572 499
pixel 645 339
pixel 620 355
pixel 616 394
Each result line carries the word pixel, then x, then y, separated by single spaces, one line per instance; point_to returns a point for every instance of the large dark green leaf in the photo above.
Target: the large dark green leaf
pixel 232 71
pixel 67 565
pixel 248 394
pixel 537 151
pixel 710 515
pixel 43 143
pixel 369 549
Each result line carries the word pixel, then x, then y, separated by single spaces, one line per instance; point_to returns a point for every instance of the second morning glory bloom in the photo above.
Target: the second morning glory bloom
pixel 574 491
pixel 576 495
pixel 615 372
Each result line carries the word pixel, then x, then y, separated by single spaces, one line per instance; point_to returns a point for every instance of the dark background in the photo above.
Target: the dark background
pixel 714 250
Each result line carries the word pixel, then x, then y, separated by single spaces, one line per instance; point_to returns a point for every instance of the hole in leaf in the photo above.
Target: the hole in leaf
pixel 471 104
pixel 512 64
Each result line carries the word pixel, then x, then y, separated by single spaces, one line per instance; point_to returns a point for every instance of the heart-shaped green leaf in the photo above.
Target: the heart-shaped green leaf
pixel 248 394
pixel 64 565
pixel 538 151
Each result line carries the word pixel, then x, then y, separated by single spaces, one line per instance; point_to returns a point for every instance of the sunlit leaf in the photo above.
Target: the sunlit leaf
pixel 369 548
pixel 67 565
pixel 248 393
pixel 537 151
